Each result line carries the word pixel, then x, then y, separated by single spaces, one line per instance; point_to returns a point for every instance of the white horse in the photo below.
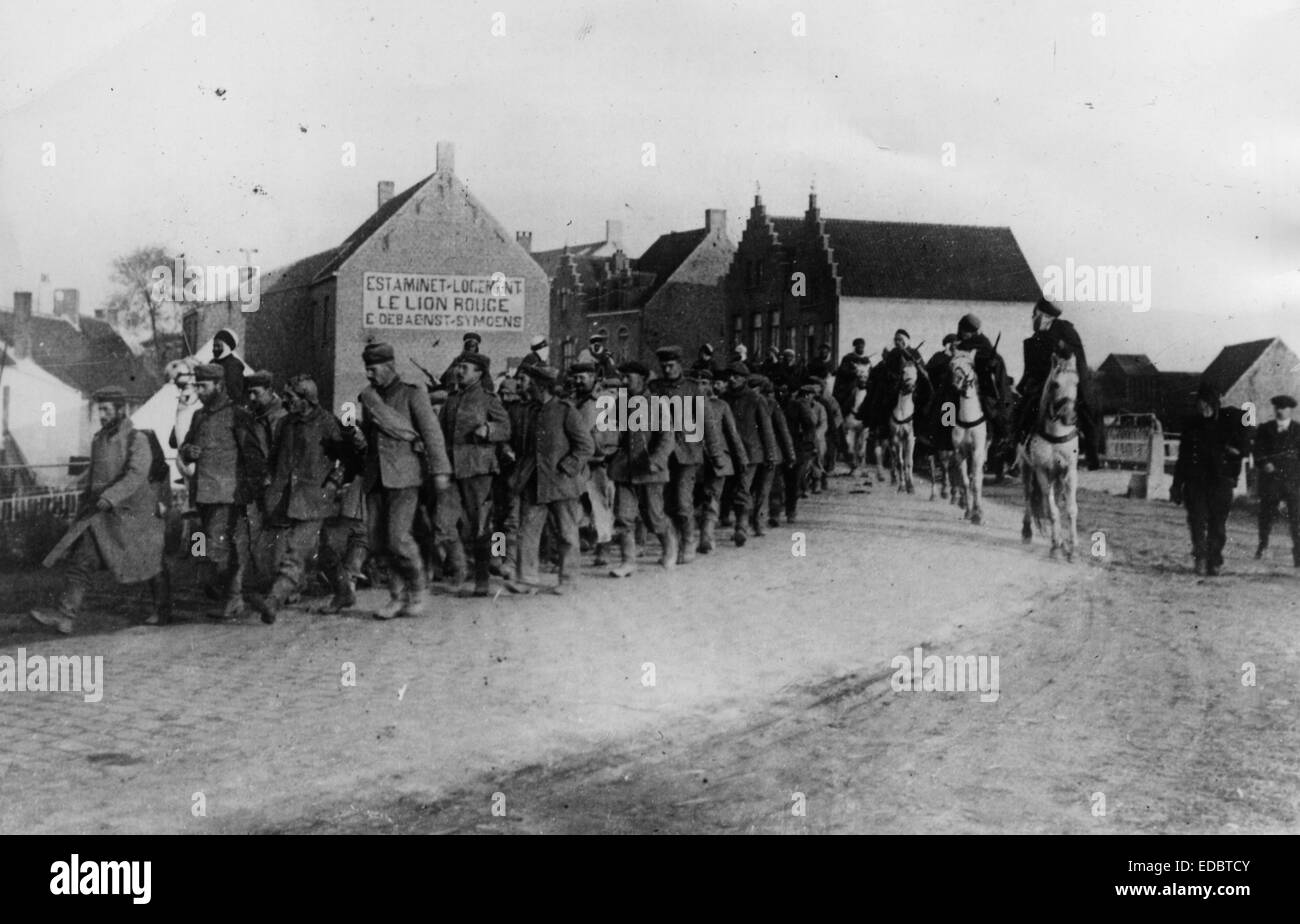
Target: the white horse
pixel 855 428
pixel 969 436
pixel 902 433
pixel 1049 461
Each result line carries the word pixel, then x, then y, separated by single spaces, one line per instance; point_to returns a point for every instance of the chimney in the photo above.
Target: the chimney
pixel 715 219
pixel 385 192
pixel 619 264
pixel 22 325
pixel 813 212
pixel 525 240
pixel 614 233
pixel 67 304
pixel 446 157
pixel 113 316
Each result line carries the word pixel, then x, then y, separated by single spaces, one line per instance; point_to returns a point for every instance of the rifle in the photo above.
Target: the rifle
pixel 72 535
pixel 433 381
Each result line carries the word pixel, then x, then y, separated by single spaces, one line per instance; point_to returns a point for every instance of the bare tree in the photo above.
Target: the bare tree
pixel 141 303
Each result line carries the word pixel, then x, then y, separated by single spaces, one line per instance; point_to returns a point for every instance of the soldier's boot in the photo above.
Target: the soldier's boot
pixel 457 563
pixel 600 560
pixel 396 598
pixel 756 525
pixel 706 533
pixel 482 575
pixel 1199 566
pixel 235 607
pixel 627 546
pixel 345 582
pixel 270 605
pixel 160 589
pixel 668 541
pixel 741 534
pixel 63 618
pixel 415 601
pixel 687 540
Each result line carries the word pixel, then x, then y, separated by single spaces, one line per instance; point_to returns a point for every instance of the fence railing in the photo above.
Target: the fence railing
pixel 58 503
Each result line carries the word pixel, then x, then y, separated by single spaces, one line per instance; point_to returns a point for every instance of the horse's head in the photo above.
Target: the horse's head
pixel 1061 391
pixel 862 373
pixel 962 370
pixel 907 384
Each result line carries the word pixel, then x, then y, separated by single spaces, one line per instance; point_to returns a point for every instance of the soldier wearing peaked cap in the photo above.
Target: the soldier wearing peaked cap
pixel 724 455
pixel 1277 458
pixel 684 464
pixel 121 522
pixel 754 424
pixel 403 443
pixel 638 468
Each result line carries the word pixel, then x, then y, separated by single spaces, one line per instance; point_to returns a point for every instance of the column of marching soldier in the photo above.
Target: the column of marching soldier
pixel 462 477
pixel 465 480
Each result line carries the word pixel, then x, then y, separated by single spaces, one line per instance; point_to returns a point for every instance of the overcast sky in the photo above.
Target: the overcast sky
pixel 1131 147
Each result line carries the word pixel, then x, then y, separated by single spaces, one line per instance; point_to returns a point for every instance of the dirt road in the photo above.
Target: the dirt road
pixel 753 684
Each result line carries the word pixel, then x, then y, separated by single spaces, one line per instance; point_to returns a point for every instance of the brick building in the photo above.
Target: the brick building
pixel 430 265
pixel 869 278
pixel 670 294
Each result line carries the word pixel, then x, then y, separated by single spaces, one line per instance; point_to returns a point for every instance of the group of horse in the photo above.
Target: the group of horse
pixel 903 414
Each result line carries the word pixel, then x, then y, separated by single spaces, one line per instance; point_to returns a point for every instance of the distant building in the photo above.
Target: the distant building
pixel 1255 372
pixel 50 367
pixel 800 282
pixel 1128 383
pixel 670 294
pixel 430 265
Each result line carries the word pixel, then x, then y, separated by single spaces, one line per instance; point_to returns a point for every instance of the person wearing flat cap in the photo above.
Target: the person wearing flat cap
pixel 403 444
pixel 267 407
pixel 1277 459
pixel 584 387
pixel 688 455
pixel 306 471
pixel 1210 450
pixel 223 346
pixel 229 461
pixel 539 351
pixel 474 424
pixel 552 449
pixel 1054 335
pixel 638 470
pixel 122 528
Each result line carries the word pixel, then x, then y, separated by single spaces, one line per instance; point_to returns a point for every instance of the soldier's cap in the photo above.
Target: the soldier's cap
pixel 612 381
pixel 738 369
pixel 537 343
pixel 702 374
pixel 472 335
pixel 110 394
pixel 903 332
pixel 548 374
pixel 1047 308
pixel 949 338
pixel 811 387
pixel 633 365
pixel 259 379
pixel 1206 391
pixel 226 336
pixel 968 322
pixel 596 338
pixel 304 386
pixel 758 381
pixel 209 372
pixel 669 354
pixel 1283 401
pixel 475 359
pixel 376 353
pixel 787 352
pixel 858 341
pixel 578 368
pixel 706 350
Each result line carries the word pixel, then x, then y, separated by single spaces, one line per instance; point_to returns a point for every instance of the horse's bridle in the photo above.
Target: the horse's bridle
pixel 1055 417
pixel 963 391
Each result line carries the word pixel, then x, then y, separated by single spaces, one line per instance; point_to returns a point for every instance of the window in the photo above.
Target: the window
pixel 789 337
pixel 828 334
pixel 774 331
pixel 566 353
pixel 756 333
pixel 738 328
pixel 809 341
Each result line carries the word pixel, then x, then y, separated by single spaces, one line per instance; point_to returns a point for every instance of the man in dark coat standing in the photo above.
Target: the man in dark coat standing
pixel 229 474
pixel 1051 335
pixel 474 423
pixel 684 464
pixel 551 449
pixel 639 469
pixel 125 534
pixel 402 442
pixel 1210 451
pixel 305 474
pixel 723 452
pixel 1277 458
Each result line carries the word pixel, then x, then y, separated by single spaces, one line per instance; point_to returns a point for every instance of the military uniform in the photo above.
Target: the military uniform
pixel 639 469
pixel 1278 446
pixel 754 424
pixel 684 464
pixel 802 412
pixel 724 454
pixel 1038 352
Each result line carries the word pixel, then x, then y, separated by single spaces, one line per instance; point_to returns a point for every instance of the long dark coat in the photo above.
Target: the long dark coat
pixel 130 535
